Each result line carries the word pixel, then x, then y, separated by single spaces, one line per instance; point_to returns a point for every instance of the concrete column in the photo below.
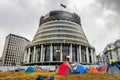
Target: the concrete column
pixel 51 52
pixel 80 57
pixel 61 52
pixel 43 53
pixel 41 57
pixel 87 55
pixel 25 56
pixel 34 53
pixel 70 49
pixel 92 56
pixel 28 56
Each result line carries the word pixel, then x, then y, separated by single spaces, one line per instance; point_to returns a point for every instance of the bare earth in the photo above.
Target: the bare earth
pixel 32 76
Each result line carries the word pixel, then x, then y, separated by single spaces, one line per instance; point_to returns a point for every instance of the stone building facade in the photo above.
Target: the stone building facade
pixel 111 52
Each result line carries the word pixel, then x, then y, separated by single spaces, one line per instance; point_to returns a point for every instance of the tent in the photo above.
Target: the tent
pixel 102 69
pixel 64 68
pixel 75 65
pixel 99 68
pixel 80 69
pixel 93 69
pixel 112 69
pixel 38 69
pixel 30 69
pixel 117 64
pixel 17 70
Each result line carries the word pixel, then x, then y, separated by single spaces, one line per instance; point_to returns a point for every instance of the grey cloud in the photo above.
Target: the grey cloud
pixel 111 4
pixel 111 20
pixel 21 17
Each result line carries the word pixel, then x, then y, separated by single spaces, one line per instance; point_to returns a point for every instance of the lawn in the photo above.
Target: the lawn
pixel 32 76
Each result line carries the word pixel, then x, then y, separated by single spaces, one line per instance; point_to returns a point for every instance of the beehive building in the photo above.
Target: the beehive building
pixel 59 38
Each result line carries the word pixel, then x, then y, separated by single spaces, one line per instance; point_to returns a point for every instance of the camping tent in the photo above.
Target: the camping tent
pixel 80 69
pixel 17 70
pixel 93 69
pixel 102 69
pixel 30 69
pixel 64 68
pixel 38 69
pixel 75 65
pixel 112 69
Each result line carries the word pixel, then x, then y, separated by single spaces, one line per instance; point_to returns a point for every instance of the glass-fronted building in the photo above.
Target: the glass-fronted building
pixel 59 38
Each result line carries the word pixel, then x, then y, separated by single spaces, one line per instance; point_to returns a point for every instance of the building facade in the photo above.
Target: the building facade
pixel 13 53
pixel 59 38
pixel 111 53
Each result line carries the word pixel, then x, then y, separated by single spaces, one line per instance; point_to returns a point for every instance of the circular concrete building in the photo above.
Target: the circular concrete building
pixel 59 38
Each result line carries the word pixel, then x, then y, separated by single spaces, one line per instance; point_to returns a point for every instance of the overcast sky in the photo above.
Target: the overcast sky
pixel 100 18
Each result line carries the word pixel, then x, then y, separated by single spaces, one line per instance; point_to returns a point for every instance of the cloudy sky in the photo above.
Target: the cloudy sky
pixel 100 18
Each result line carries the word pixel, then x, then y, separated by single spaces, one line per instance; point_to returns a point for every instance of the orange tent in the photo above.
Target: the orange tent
pixel 93 69
pixel 38 70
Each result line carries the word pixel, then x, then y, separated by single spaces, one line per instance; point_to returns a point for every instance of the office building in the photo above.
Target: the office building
pixel 13 52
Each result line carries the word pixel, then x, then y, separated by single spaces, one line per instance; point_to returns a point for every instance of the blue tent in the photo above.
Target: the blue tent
pixel 17 70
pixel 80 69
pixel 30 69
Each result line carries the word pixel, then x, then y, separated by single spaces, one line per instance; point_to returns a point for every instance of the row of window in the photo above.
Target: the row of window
pixel 61 22
pixel 11 60
pixel 16 47
pixel 14 52
pixel 15 56
pixel 15 42
pixel 58 26
pixel 17 38
pixel 62 36
pixel 61 30
pixel 11 63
